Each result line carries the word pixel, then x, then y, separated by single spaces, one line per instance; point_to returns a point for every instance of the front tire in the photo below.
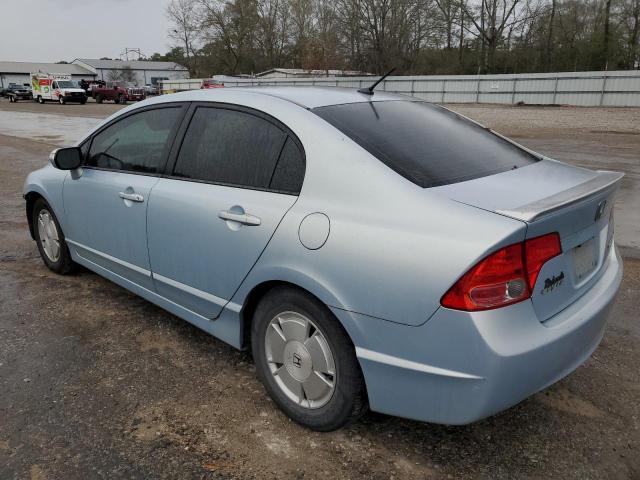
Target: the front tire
pixel 99 98
pixel 62 100
pixel 50 239
pixel 306 361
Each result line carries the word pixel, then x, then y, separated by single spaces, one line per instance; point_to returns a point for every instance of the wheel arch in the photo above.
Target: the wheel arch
pixel 259 290
pixel 31 199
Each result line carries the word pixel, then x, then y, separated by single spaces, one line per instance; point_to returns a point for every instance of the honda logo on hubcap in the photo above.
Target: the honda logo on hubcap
pixel 296 360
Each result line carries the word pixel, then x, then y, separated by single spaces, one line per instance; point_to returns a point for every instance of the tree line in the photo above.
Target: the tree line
pixel 414 36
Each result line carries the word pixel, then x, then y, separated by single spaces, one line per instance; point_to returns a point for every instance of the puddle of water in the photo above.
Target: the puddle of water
pixel 45 127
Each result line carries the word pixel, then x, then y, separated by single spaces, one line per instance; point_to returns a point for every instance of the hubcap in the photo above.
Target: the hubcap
pixel 300 360
pixel 48 234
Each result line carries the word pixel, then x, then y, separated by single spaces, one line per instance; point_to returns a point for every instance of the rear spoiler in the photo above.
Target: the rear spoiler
pixel 530 212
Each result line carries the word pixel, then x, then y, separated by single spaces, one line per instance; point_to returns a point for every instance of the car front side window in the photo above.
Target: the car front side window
pixel 138 143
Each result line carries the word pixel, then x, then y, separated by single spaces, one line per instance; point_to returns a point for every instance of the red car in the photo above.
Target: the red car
pixel 211 83
pixel 117 93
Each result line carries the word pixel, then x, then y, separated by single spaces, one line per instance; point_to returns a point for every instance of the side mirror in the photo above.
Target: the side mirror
pixel 68 158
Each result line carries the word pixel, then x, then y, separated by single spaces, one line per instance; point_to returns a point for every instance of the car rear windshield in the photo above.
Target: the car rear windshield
pixel 425 143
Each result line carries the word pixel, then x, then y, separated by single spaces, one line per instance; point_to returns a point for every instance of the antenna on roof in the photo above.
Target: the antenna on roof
pixel 369 90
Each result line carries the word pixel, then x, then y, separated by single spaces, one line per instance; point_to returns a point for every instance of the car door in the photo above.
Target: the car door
pixel 106 201
pixel 234 178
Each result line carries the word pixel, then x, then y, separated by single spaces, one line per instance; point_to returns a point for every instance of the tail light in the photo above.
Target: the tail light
pixel 503 277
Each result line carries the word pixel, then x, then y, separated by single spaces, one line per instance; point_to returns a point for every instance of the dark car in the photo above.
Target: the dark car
pixel 17 92
pixel 5 90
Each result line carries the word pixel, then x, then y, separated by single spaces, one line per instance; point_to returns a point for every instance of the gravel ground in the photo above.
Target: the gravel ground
pixel 98 383
pixel 554 120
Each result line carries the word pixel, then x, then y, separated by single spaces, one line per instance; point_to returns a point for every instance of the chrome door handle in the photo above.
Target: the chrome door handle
pixel 243 218
pixel 134 197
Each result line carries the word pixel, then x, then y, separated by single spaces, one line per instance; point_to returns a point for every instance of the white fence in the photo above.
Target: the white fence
pixel 613 88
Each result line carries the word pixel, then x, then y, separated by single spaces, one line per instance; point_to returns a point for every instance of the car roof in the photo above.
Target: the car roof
pixel 303 96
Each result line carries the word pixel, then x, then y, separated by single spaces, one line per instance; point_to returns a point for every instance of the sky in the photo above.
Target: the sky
pixel 55 30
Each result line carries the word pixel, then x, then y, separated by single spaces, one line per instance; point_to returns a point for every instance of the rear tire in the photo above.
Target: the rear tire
pixel 62 100
pixel 98 98
pixel 11 99
pixel 325 389
pixel 50 239
pixel 40 100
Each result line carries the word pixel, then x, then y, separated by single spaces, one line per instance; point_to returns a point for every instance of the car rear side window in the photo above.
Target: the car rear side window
pixel 289 173
pixel 425 143
pixel 137 143
pixel 230 147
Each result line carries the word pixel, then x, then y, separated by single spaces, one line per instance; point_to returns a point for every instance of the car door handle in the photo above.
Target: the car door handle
pixel 243 218
pixel 134 197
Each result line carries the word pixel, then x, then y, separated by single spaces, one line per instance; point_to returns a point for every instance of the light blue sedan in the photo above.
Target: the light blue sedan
pixel 371 249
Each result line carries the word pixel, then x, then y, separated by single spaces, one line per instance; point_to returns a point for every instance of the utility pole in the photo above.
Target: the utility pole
pixel 134 51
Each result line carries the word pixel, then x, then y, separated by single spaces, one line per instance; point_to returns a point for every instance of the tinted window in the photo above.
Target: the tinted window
pixel 84 148
pixel 137 143
pixel 289 172
pixel 424 143
pixel 229 147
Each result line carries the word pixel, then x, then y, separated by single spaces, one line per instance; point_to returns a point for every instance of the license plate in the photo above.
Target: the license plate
pixel 584 259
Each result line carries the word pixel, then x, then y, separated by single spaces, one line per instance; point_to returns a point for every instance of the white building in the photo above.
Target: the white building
pixel 145 72
pixel 19 72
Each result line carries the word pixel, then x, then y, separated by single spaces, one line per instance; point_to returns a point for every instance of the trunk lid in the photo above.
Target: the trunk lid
pixel 550 196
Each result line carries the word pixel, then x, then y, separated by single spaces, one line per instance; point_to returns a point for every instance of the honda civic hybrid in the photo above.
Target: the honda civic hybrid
pixel 372 250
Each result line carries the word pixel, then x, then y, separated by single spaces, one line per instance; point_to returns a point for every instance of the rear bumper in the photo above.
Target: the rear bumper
pixel 460 367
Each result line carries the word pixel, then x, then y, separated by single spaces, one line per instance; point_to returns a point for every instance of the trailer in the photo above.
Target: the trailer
pixel 174 86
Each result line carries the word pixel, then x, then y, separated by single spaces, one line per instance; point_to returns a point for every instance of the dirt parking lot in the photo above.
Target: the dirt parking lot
pixel 98 383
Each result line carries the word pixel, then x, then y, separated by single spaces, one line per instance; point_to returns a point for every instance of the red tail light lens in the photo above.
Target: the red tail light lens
pixel 504 277
pixel 539 251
